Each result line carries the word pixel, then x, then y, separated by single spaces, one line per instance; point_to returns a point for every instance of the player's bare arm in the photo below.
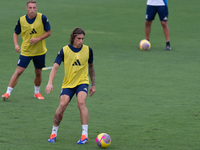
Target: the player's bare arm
pixel 49 87
pixel 92 78
pixel 92 73
pixel 44 36
pixel 15 40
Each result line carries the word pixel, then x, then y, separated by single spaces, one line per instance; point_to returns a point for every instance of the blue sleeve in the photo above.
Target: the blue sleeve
pixel 90 56
pixel 165 1
pixel 60 57
pixel 18 28
pixel 46 24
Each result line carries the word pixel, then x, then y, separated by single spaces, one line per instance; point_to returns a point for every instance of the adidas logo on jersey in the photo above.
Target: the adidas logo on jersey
pixel 33 31
pixel 76 63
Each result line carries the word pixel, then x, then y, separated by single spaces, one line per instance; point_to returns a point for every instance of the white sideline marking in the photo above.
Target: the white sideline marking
pixel 46 68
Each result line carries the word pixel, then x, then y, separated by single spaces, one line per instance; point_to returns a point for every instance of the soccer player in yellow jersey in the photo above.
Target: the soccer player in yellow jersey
pixel 77 59
pixel 35 28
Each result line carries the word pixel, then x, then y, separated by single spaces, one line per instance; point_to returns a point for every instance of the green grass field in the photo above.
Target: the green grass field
pixel 145 100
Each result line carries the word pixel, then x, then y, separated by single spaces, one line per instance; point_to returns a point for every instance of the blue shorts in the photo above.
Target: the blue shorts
pixel 38 61
pixel 161 10
pixel 71 91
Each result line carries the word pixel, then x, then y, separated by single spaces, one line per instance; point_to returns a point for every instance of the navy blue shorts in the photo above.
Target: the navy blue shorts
pixel 71 91
pixel 161 10
pixel 38 61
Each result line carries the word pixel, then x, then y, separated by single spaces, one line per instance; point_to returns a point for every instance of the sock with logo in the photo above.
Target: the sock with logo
pixel 54 130
pixel 85 130
pixel 9 90
pixel 37 89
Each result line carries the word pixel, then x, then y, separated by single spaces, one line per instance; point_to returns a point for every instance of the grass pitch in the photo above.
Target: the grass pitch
pixel 145 100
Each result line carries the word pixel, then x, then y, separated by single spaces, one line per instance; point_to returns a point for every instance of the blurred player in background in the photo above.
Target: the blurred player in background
pixel 78 60
pixel 160 7
pixel 35 28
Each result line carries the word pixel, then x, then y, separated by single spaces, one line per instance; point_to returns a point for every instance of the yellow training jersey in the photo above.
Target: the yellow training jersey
pixel 29 31
pixel 76 67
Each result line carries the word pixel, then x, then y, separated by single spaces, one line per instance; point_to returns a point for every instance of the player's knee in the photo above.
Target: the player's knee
pixel 18 72
pixel 148 23
pixel 81 104
pixel 38 73
pixel 62 106
pixel 164 24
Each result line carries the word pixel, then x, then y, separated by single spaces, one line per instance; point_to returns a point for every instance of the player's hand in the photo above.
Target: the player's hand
pixel 92 90
pixel 17 48
pixel 33 41
pixel 49 88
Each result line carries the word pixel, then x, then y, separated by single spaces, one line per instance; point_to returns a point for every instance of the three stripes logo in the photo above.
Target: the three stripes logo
pixel 165 18
pixel 33 31
pixel 76 63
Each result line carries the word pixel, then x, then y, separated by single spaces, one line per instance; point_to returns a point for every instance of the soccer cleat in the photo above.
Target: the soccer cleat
pixel 5 96
pixel 168 48
pixel 83 140
pixel 38 96
pixel 52 138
